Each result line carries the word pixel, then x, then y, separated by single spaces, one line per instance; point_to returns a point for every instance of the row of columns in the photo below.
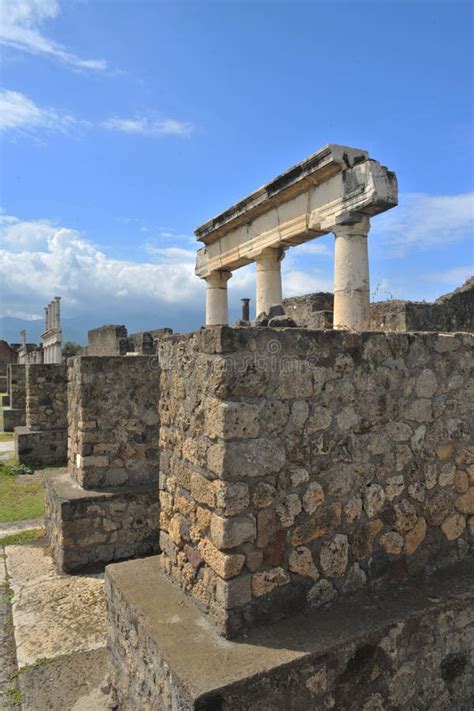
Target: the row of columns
pixel 52 315
pixel 351 281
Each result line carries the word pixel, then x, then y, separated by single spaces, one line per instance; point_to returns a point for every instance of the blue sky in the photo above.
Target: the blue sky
pixel 126 124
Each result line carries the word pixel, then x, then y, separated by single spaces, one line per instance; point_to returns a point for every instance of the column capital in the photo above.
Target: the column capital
pixel 218 279
pixel 360 226
pixel 270 255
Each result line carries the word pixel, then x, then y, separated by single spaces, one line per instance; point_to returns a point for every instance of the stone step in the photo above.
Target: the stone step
pixel 403 646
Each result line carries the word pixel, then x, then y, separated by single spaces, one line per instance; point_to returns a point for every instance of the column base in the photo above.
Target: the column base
pixel 89 528
pixel 12 417
pixel 39 448
pixel 405 646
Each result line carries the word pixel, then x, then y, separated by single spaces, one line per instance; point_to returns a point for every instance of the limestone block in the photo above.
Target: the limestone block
pixel 232 532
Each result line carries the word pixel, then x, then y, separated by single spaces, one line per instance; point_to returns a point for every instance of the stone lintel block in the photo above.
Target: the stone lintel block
pixel 298 663
pixel 232 532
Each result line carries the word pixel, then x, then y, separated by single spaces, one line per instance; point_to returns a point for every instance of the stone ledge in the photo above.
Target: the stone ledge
pixel 89 528
pixel 406 646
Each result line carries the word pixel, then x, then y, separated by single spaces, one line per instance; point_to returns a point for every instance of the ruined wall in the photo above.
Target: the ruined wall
pixel 450 313
pixel 297 466
pixel 43 441
pixel 7 355
pixel 311 310
pixel 46 397
pixel 106 340
pixel 113 420
pixel 17 386
pixel 115 340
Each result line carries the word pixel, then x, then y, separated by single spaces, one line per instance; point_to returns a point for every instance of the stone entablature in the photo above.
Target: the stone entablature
pixel 53 335
pixel 337 189
pixel 113 420
pixel 297 466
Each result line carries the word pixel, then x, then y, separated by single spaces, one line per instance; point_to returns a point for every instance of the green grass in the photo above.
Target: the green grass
pixel 16 539
pixel 6 436
pixel 14 696
pixel 19 501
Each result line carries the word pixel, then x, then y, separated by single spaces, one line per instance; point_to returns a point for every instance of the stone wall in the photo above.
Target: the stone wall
pixel 311 310
pixel 43 441
pixel 298 466
pixel 407 648
pixel 46 397
pixel 105 507
pixel 115 340
pixel 14 415
pixel 450 313
pixel 113 420
pixel 17 386
pixel 89 528
pixel 106 340
pixel 7 355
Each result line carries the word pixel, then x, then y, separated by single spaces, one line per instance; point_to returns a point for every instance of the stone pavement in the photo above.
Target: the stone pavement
pixel 7 450
pixel 59 627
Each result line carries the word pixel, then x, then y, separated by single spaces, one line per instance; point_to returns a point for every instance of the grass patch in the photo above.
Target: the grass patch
pixel 17 539
pixel 14 696
pixel 6 436
pixel 19 501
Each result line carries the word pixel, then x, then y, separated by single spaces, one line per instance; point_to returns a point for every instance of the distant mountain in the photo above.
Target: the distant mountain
pixel 74 329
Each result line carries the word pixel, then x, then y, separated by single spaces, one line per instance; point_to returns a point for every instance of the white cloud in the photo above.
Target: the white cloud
pixel 39 258
pixel 148 126
pixel 19 114
pixel 422 221
pixel 20 28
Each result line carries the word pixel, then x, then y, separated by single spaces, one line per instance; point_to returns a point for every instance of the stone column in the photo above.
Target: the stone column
pixel 46 318
pixel 351 276
pixel 217 313
pixel 57 312
pixel 269 291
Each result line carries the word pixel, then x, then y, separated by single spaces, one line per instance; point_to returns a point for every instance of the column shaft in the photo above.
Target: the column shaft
pixel 217 313
pixel 268 287
pixel 351 277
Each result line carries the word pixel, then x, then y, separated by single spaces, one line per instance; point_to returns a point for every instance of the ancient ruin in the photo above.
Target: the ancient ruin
pixel 337 189
pixel 53 335
pixel 292 499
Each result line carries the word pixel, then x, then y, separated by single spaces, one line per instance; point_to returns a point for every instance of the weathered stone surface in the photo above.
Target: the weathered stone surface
pixel 263 583
pixel 453 527
pixel 301 561
pixel 334 556
pixel 465 503
pixel 353 654
pixel 89 528
pixel 224 564
pixel 232 532
pixel 363 436
pixel 113 420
